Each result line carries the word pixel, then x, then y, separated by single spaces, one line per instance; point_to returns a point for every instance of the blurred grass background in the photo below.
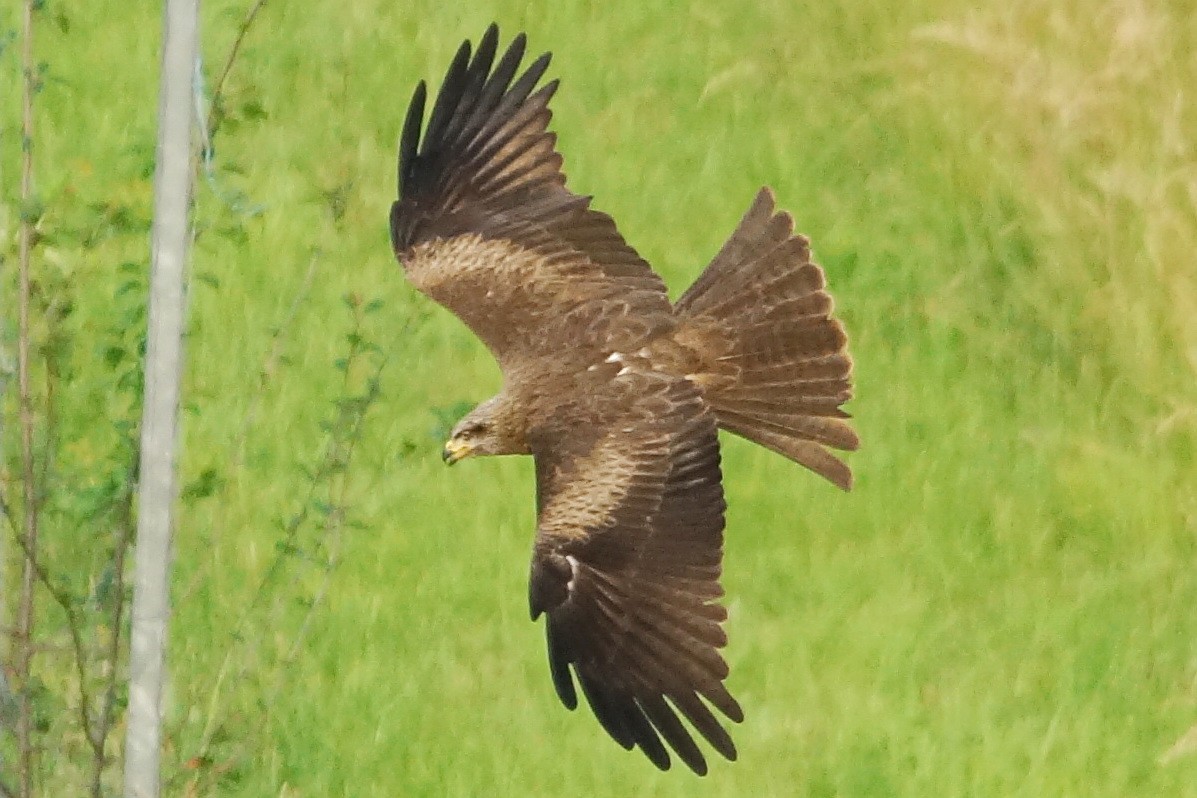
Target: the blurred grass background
pixel 1005 200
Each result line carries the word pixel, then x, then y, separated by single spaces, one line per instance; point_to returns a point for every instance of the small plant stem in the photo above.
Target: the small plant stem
pixel 25 612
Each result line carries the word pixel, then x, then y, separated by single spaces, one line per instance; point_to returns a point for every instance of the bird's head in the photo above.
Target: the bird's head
pixel 483 431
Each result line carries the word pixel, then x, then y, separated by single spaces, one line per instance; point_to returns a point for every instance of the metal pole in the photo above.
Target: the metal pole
pixel 151 586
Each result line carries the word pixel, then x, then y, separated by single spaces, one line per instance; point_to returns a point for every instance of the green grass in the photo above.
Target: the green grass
pixel 1004 202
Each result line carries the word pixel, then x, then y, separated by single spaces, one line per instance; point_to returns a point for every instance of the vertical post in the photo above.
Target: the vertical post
pixel 156 481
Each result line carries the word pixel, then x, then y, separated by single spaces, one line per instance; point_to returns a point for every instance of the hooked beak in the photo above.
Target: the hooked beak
pixel 455 450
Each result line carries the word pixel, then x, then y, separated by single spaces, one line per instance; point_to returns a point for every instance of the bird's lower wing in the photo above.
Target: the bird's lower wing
pixel 627 564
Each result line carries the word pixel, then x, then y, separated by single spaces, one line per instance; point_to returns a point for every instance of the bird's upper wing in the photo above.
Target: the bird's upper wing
pixel 627 563
pixel 485 226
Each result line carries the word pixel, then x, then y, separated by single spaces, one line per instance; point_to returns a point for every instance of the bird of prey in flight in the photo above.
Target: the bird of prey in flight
pixel 617 393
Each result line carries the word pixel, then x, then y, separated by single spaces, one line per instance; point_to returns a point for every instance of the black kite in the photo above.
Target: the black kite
pixel 615 392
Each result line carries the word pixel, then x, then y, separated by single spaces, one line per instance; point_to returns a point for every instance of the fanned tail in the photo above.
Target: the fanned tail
pixel 780 368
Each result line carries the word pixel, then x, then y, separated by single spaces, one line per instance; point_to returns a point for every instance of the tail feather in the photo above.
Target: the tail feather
pixel 834 366
pixel 774 407
pixel 749 239
pixel 829 430
pixel 814 305
pixel 787 342
pixel 785 381
pixel 784 370
pixel 782 270
pixel 802 451
pixel 808 397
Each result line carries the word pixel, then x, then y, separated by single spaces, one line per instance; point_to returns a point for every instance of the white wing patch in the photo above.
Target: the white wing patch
pixel 626 362
pixel 573 572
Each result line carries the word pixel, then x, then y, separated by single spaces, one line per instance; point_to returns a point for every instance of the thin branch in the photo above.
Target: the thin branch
pixel 74 623
pixel 25 613
pixel 272 359
pixel 115 622
pixel 335 527
pixel 214 120
pixel 212 117
pixel 335 534
pixel 340 445
pixel 41 647
pixel 291 532
pixel 278 338
pixel 49 421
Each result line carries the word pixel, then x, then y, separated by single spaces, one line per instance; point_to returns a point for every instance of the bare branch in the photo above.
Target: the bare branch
pixel 341 441
pixel 74 623
pixel 278 338
pixel 99 739
pixel 218 92
pixel 25 613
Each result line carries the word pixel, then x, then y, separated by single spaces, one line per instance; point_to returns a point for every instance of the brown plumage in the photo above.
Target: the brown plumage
pixel 616 393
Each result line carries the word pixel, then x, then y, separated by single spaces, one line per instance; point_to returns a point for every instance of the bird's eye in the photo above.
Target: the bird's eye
pixel 473 430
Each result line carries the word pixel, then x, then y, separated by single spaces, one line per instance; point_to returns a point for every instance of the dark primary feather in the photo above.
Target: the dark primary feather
pixel 628 560
pixel 409 142
pixel 477 114
pixel 485 226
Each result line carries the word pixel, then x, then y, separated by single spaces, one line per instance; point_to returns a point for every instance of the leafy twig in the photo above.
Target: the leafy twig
pixel 99 738
pixel 343 434
pixel 277 338
pixel 215 119
pixel 74 624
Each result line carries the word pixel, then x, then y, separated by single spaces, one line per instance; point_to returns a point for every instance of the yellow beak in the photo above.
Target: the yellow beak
pixel 455 450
